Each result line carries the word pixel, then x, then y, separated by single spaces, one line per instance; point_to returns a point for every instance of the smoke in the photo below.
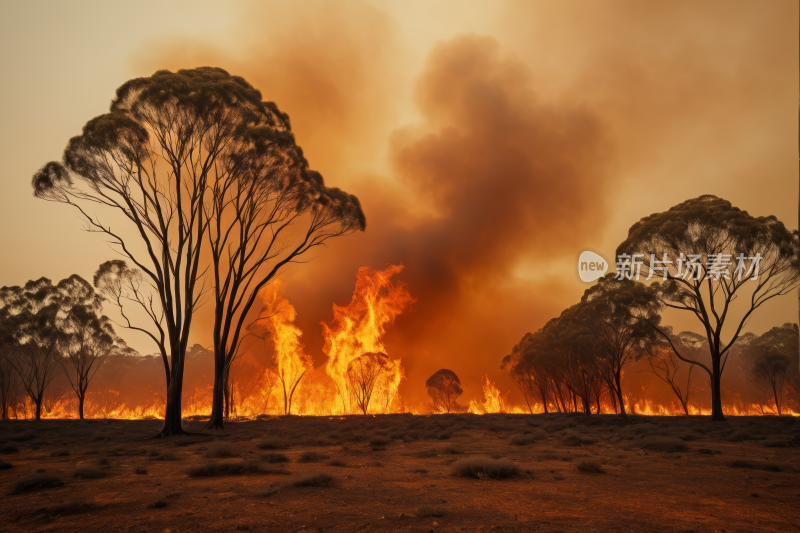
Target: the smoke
pixel 485 169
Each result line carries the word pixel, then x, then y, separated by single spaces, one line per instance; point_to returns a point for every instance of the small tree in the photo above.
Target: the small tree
pixel 30 313
pixel 771 362
pixel 527 369
pixel 705 252
pixel 665 364
pixel 444 388
pixel 86 337
pixel 619 314
pixel 363 373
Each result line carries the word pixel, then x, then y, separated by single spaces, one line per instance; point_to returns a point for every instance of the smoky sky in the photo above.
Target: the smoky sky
pixel 489 159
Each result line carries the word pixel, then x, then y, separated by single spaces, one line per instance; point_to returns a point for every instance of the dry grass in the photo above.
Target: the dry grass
pixel 485 468
pixel 590 467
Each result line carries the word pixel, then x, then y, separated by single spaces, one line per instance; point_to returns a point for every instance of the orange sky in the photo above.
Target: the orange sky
pixel 489 143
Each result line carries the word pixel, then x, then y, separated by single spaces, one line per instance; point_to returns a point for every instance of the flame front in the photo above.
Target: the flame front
pixel 357 329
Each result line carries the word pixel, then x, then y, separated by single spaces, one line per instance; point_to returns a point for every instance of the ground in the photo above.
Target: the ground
pixel 401 473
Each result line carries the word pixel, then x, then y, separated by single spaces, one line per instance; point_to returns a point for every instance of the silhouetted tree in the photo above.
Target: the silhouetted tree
pixel 444 388
pixel 527 368
pixel 772 362
pixel 150 161
pixel 9 379
pixel 665 364
pixel 701 236
pixel 362 376
pixel 32 347
pixel 267 210
pixel 86 337
pixel 619 314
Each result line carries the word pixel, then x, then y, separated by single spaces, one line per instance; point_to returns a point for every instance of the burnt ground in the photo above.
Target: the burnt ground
pixel 396 473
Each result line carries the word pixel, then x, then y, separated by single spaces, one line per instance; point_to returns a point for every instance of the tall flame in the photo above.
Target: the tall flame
pixel 277 317
pixel 357 329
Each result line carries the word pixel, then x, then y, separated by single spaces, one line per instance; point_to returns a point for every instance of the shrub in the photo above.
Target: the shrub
pixel 59 453
pixel 311 457
pixel 68 508
pixel 740 463
pixel 90 472
pixel 8 448
pixel 430 510
pixel 379 442
pixel 140 471
pixel 444 436
pixel 315 480
pixel 275 458
pixel 37 481
pixel 337 462
pixel 158 504
pixel 573 439
pixel 590 467
pixel 522 440
pixel 5 466
pixel 706 451
pixel 453 450
pixel 777 443
pixel 165 456
pixel 419 471
pixel 220 451
pixel 229 467
pixel 22 437
pixel 485 468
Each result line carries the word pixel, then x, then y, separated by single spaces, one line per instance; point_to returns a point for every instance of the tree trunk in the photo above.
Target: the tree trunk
pixel 39 408
pixel 80 406
pixel 618 391
pixel 172 416
pixel 716 396
pixel 217 405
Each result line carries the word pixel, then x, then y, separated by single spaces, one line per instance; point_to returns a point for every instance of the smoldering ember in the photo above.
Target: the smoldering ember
pixel 380 266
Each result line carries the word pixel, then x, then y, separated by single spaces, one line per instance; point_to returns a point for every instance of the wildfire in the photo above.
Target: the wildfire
pixel 357 329
pixel 494 400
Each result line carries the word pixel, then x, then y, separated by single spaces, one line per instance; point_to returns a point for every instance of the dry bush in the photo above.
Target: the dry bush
pixel 426 511
pixel 336 462
pixel 220 451
pixel 769 467
pixel 5 466
pixel 8 448
pixel 453 450
pixel 68 508
pixel 321 479
pixel 574 439
pixel 158 504
pixel 37 481
pixel 140 471
pixel 230 467
pixel 706 451
pixel 275 458
pixel 777 443
pixel 311 457
pixel 522 440
pixel 59 453
pixel 485 468
pixel 379 442
pixel 590 467
pixel 90 472
pixel 164 456
pixel 22 437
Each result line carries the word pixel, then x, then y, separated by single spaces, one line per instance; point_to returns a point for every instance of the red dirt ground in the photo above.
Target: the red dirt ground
pixel 395 473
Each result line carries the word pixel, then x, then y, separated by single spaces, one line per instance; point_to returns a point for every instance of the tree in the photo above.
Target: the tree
pixel 690 248
pixel 86 337
pixel 665 364
pixel 9 379
pixel 362 376
pixel 527 368
pixel 149 162
pixel 771 362
pixel 267 210
pixel 30 314
pixel 444 388
pixel 619 314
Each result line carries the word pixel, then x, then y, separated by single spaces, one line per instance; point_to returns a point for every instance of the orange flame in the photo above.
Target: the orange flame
pixel 357 329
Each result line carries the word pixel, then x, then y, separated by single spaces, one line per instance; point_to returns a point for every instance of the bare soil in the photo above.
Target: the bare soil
pixel 397 473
